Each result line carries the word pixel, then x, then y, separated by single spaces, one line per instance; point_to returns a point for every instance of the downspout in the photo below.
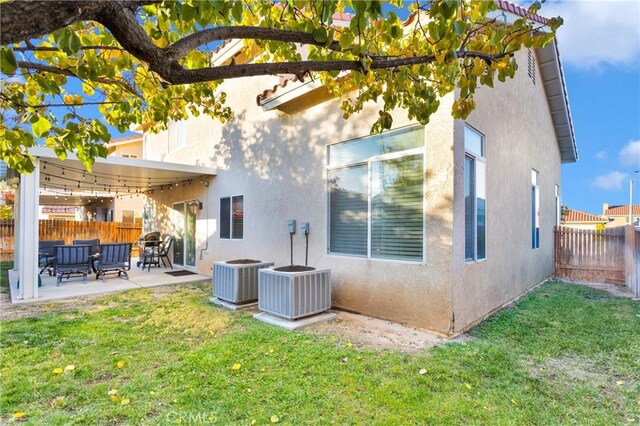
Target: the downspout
pixel 206 200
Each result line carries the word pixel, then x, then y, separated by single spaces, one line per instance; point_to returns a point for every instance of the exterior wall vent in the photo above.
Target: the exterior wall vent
pixel 294 295
pixel 531 65
pixel 236 281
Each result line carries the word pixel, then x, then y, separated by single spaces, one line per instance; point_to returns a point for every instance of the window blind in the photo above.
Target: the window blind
pixel 396 208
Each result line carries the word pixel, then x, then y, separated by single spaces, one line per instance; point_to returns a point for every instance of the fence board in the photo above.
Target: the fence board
pixel 590 256
pixel 68 231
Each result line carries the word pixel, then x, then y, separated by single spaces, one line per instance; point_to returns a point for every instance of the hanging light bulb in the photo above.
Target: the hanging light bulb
pixel 78 184
pixel 84 175
pixel 62 172
pixel 44 166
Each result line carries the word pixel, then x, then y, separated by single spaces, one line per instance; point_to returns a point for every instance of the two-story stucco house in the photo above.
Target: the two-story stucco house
pixel 434 226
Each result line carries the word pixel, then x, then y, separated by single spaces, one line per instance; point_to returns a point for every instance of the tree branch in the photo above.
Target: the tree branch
pixel 22 20
pixel 191 42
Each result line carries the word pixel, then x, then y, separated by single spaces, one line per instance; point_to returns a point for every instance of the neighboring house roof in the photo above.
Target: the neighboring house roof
pixel 552 77
pixel 125 140
pixel 578 216
pixel 622 210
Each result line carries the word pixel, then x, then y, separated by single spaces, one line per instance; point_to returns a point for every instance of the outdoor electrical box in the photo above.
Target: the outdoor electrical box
pixel 304 227
pixel 292 226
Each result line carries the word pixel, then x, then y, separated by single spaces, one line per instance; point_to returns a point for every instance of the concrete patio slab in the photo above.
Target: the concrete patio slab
pixel 297 324
pixel 233 306
pixel 76 287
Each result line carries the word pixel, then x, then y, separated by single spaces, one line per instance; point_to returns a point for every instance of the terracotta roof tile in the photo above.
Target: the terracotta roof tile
pixel 125 139
pixel 520 11
pixel 622 210
pixel 578 216
pixel 502 4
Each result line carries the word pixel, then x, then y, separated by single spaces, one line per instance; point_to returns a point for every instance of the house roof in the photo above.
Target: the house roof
pixel 125 140
pixel 551 72
pixel 578 216
pixel 622 210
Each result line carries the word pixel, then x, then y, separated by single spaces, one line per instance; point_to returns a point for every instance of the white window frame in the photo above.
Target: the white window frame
pixel 146 146
pixel 535 211
pixel 477 158
pixel 176 135
pixel 231 237
pixel 368 162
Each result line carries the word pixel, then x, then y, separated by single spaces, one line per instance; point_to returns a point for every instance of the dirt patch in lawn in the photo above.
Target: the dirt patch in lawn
pixel 372 333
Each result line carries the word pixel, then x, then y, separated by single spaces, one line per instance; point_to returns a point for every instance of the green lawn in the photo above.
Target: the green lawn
pixel 564 355
pixel 4 275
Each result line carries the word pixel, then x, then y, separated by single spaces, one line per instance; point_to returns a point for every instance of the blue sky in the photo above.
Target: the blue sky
pixel 600 50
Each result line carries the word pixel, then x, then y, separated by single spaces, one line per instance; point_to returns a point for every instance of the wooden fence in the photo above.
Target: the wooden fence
pixel 590 256
pixel 70 230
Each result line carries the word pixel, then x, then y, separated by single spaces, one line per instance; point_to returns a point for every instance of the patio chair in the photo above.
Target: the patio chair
pixel 153 255
pixel 114 257
pixel 94 243
pixel 165 249
pixel 69 260
pixel 47 255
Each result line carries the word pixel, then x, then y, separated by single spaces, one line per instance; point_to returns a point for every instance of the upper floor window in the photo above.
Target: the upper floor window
pixel 177 133
pixel 475 220
pixel 375 187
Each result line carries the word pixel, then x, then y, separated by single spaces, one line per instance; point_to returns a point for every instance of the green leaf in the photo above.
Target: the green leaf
pixel 74 43
pixel 236 11
pixel 320 35
pixel 346 39
pixel 41 126
pixel 8 63
pixel 189 12
pixel 535 6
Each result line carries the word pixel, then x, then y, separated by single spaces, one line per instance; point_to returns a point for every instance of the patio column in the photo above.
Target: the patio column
pixel 26 246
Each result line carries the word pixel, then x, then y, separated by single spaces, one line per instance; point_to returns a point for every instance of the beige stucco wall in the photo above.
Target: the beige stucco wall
pixel 582 225
pixel 278 162
pixel 618 221
pixel 127 202
pixel 519 136
pixel 133 148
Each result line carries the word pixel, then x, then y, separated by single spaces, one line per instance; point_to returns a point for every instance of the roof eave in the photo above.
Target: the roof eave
pixel 555 87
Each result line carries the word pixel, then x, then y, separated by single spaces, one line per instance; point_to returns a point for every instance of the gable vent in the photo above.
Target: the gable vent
pixel 531 66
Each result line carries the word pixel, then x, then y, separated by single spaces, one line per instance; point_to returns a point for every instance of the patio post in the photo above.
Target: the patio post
pixel 26 243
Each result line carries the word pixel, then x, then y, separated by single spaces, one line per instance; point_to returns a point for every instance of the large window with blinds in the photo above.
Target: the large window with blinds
pixel 376 196
pixel 232 217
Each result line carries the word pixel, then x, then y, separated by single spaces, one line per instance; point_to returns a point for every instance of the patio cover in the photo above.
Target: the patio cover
pixel 110 176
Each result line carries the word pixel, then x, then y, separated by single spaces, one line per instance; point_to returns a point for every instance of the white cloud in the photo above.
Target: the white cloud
pixel 601 155
pixel 610 182
pixel 630 154
pixel 597 32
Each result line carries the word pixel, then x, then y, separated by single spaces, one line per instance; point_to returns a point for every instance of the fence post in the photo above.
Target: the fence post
pixel 631 260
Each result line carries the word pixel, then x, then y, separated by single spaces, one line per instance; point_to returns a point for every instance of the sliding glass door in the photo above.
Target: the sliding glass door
pixel 184 222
